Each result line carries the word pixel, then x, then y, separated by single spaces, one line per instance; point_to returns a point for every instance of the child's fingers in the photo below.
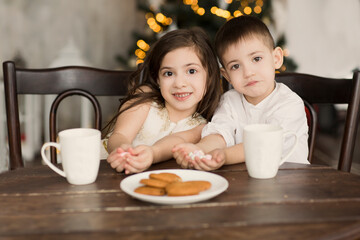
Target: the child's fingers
pixel 135 163
pixel 115 163
pixel 118 165
pixel 110 158
pixel 205 164
pixel 182 162
pixel 179 156
pixel 119 168
pixel 120 150
pixel 130 168
pixel 212 164
pixel 131 151
pixel 197 166
pixel 175 149
pixel 176 154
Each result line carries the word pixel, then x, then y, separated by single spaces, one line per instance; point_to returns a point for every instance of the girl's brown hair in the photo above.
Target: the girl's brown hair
pixel 147 73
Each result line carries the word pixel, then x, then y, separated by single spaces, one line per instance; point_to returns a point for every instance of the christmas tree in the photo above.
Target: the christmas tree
pixel 165 15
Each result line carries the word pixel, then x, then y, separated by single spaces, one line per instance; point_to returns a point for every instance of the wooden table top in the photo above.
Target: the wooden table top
pixel 301 202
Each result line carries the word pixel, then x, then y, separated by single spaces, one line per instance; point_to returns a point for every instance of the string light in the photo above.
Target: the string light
pixel 257 9
pixel 244 8
pixel 143 45
pixel 259 3
pixel 159 21
pixel 195 7
pixel 237 13
pixel 247 10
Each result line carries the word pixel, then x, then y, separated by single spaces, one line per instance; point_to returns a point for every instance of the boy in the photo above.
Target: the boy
pixel 249 58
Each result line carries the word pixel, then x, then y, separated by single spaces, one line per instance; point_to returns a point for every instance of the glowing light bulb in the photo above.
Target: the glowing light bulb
pixel 200 11
pixel 247 10
pixel 237 13
pixel 257 9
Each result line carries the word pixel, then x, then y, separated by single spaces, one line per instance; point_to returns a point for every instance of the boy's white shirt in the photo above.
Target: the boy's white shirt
pixel 282 107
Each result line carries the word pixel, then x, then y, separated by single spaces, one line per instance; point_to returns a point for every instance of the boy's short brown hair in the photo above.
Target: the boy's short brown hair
pixel 241 28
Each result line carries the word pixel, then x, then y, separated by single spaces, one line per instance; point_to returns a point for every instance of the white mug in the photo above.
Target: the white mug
pixel 263 149
pixel 80 155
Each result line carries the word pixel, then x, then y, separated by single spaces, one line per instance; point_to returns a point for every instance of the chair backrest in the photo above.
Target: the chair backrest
pixel 63 81
pixel 320 90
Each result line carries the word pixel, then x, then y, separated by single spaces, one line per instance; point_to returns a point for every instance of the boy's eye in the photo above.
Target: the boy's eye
pixel 168 74
pixel 257 59
pixel 192 71
pixel 235 66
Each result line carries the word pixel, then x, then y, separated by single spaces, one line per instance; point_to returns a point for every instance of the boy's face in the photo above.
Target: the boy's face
pixel 249 65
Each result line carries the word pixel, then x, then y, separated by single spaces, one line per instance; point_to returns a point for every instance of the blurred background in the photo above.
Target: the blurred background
pixel 319 37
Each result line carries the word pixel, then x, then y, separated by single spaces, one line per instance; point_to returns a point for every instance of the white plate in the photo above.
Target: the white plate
pixel 218 185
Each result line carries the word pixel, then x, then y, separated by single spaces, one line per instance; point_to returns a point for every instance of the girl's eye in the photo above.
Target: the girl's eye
pixel 168 74
pixel 192 71
pixel 257 59
pixel 235 66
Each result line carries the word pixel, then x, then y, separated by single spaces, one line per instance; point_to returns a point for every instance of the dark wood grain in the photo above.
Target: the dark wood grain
pixel 301 202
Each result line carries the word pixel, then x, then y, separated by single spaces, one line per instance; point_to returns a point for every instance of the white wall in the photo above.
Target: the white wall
pixel 323 36
pixel 38 29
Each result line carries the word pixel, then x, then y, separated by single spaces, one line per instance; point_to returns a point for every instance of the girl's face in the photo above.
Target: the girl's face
pixel 182 81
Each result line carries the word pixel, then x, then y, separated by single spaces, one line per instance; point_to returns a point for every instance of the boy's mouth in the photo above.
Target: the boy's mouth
pixel 251 83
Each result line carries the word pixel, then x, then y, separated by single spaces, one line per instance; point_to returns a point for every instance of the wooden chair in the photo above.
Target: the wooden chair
pixel 64 81
pixel 320 90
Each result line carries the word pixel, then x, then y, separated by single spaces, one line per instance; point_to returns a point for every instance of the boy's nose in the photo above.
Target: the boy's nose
pixel 248 72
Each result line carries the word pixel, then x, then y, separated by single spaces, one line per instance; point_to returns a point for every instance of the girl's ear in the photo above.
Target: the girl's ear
pixel 278 56
pixel 225 75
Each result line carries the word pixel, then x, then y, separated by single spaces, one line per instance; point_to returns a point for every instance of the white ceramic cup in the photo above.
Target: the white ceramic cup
pixel 263 149
pixel 80 155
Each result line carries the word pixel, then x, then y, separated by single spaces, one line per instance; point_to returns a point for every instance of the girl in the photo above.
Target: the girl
pixel 171 97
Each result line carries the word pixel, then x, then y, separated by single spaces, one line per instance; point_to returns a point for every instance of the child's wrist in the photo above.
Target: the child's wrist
pixel 154 153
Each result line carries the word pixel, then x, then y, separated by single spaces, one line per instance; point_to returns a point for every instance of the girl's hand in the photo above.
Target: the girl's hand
pixel 117 158
pixel 217 160
pixel 181 154
pixel 141 159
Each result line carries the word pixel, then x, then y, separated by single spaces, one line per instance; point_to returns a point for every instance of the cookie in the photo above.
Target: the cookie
pixel 154 183
pixel 167 177
pixel 202 185
pixel 150 191
pixel 187 188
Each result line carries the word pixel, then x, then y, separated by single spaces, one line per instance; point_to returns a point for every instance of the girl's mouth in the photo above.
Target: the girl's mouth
pixel 182 96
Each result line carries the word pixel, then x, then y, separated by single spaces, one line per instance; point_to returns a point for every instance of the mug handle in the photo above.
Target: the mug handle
pixel 46 160
pixel 292 149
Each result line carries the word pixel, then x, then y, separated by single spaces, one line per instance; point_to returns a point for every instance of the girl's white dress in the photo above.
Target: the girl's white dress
pixel 158 125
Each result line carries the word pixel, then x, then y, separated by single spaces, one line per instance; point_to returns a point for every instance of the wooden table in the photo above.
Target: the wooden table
pixel 301 202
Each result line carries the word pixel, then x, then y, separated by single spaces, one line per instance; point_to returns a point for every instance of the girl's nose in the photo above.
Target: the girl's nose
pixel 180 81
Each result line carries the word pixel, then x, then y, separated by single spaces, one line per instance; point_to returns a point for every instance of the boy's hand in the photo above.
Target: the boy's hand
pixel 141 159
pixel 181 154
pixel 206 164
